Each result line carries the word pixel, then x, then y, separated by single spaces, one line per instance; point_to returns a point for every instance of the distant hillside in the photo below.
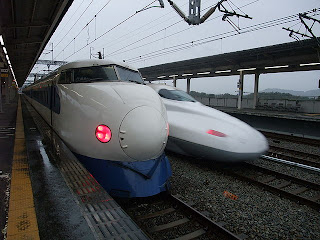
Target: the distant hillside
pixel 262 95
pixel 310 93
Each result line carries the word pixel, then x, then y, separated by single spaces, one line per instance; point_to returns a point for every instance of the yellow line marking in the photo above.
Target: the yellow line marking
pixel 22 221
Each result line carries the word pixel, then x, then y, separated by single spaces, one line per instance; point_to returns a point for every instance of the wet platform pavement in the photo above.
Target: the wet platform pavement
pixel 69 203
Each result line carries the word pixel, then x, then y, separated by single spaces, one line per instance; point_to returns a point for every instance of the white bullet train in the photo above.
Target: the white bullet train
pixel 201 131
pixel 113 123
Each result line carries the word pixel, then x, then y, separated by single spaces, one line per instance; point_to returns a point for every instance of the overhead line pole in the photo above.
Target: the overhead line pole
pixel 301 16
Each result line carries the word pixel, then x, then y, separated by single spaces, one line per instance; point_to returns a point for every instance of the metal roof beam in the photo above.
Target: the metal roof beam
pixel 31 40
pixel 27 25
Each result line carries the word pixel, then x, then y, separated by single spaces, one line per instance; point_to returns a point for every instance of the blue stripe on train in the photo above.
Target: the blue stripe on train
pixel 130 179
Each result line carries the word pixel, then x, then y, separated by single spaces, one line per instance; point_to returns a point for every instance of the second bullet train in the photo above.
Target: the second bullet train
pixel 113 123
pixel 201 131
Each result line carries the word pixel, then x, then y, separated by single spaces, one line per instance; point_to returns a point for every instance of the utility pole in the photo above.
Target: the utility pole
pixel 303 17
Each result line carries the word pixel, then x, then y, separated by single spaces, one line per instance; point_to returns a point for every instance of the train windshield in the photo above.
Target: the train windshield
pixel 94 74
pixel 176 95
pixel 129 75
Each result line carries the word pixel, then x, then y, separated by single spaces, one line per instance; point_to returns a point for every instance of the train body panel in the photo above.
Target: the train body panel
pixel 115 112
pixel 201 131
pixel 115 127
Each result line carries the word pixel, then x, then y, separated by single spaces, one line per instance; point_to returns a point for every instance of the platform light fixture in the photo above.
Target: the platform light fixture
pixel 8 59
pixel 223 71
pixel 246 69
pixel 187 74
pixel 309 64
pixel 273 67
pixel 203 73
pixel 1 40
pixel 175 75
pixel 5 50
pixel 161 77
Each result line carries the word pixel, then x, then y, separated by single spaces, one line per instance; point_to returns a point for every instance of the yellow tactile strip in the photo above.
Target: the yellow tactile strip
pixel 22 221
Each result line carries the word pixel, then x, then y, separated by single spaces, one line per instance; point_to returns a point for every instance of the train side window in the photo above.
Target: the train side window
pixel 69 76
pixel 62 77
pixel 95 74
pixel 65 77
pixel 166 94
pixel 176 95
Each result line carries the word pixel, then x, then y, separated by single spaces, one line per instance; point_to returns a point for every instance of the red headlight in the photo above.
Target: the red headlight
pixel 103 133
pixel 216 133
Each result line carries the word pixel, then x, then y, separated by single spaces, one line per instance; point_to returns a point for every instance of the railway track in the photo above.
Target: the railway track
pixel 291 138
pixel 167 217
pixel 296 189
pixel 295 156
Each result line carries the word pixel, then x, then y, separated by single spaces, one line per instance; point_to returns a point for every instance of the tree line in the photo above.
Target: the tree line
pixel 261 95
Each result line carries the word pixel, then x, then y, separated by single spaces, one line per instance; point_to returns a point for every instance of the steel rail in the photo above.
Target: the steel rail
pixel 308 159
pixel 266 183
pixel 205 226
pixel 291 163
pixel 218 230
pixel 292 138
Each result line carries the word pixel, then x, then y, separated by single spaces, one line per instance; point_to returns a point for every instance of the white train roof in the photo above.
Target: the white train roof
pixel 93 62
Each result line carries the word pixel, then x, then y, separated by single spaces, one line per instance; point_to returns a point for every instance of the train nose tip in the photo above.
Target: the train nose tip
pixel 143 133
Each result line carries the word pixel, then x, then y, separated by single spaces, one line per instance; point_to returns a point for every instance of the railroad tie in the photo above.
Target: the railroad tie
pixel 283 185
pixel 299 190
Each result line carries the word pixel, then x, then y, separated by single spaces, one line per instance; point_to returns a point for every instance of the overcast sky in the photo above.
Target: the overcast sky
pixel 146 37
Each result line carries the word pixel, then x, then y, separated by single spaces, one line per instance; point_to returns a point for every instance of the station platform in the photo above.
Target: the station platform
pixel 7 130
pixel 51 195
pixel 292 123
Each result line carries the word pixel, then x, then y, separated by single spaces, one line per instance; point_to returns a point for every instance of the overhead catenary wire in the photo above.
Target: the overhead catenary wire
pixel 84 28
pixel 268 24
pixel 61 29
pixel 74 24
pixel 106 32
pixel 71 28
pixel 136 32
pixel 62 51
pixel 185 46
pixel 202 41
pixel 150 35
pixel 167 19
pixel 88 43
pixel 180 21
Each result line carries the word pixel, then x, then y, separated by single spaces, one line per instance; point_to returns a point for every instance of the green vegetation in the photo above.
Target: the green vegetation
pixel 278 96
pixel 202 94
pixel 262 95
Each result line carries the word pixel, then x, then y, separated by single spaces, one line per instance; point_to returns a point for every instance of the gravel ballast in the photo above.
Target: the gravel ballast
pixel 257 213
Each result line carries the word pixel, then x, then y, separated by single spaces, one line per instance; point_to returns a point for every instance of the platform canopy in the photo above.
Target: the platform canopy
pixel 26 27
pixel 287 57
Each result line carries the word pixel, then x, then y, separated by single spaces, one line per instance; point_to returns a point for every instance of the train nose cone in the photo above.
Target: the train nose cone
pixel 143 133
